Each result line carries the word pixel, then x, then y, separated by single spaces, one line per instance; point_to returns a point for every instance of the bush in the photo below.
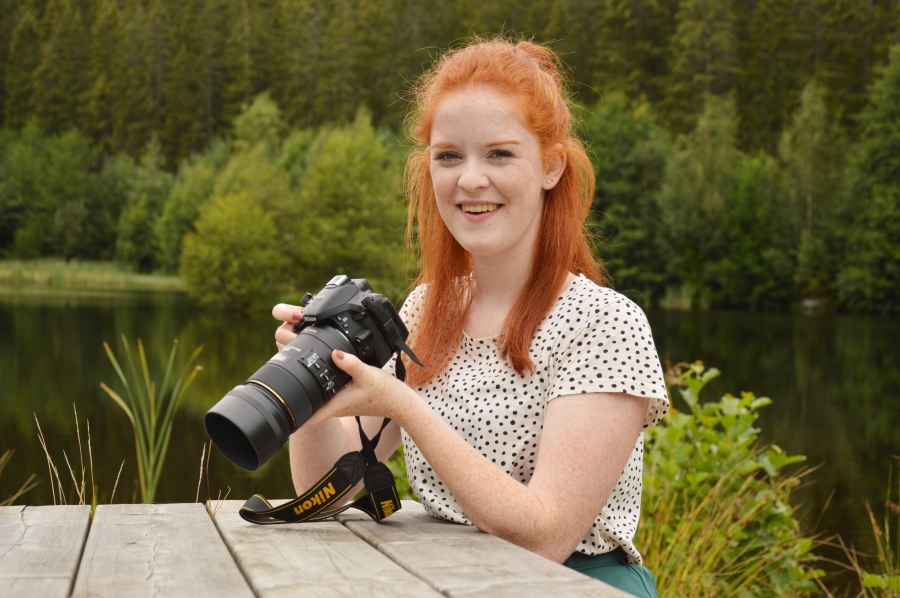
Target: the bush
pixel 148 187
pixel 192 188
pixel 717 519
pixel 233 258
pixel 352 210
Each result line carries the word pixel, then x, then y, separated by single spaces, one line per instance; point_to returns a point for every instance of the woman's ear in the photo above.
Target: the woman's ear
pixel 554 166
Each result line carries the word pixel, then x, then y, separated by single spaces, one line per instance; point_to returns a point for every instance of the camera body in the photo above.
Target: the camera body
pixel 253 421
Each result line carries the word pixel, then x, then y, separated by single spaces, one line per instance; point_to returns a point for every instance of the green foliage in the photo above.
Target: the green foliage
pixel 147 188
pixel 704 59
pixel 869 278
pixel 192 188
pixel 352 210
pixel 717 515
pixel 51 204
pixel 629 154
pixel 150 408
pixel 698 178
pixel 812 151
pixel 756 267
pixel 234 257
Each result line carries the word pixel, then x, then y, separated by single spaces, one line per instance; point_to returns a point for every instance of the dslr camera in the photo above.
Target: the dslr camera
pixel 253 421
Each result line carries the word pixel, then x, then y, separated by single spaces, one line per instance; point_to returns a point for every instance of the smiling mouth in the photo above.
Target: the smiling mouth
pixel 485 207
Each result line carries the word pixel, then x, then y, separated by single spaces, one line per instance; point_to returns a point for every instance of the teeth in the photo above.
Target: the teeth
pixel 485 207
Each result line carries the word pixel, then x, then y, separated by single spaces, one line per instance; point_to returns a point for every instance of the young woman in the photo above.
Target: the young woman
pixel 526 420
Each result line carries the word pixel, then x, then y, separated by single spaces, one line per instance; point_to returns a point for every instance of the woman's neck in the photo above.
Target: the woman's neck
pixel 497 285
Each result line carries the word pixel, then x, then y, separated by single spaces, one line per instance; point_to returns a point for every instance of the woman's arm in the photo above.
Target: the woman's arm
pixel 585 444
pixel 315 448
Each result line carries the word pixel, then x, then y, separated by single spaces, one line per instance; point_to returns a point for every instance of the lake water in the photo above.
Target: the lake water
pixel 834 380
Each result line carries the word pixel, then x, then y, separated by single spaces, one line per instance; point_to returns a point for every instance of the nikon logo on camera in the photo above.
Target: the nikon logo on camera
pixel 317 499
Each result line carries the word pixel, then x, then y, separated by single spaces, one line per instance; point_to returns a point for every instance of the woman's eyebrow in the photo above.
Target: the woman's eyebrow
pixel 508 142
pixel 442 145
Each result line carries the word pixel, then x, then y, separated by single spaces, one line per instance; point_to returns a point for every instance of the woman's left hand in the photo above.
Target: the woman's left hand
pixel 372 391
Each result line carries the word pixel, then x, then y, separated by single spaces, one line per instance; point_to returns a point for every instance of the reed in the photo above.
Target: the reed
pixel 57 273
pixel 150 409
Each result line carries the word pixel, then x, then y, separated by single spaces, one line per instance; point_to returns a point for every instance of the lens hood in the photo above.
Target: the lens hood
pixel 247 426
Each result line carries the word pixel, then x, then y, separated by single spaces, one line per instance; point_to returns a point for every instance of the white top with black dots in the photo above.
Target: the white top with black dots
pixel 592 340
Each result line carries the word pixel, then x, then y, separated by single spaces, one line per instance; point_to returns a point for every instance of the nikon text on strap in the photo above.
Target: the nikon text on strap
pixel 380 501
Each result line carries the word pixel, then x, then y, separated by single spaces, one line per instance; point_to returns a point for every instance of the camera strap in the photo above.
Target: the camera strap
pixel 381 499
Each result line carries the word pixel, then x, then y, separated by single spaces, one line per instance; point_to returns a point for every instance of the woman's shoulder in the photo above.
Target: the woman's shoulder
pixel 585 297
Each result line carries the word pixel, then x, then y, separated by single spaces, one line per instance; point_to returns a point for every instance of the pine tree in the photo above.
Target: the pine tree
pixel 870 278
pixel 774 72
pixel 703 59
pixel 699 177
pixel 24 57
pixel 59 79
pixel 813 153
pixel 632 41
pixel 630 154
pixel 855 39
pixel 97 111
pixel 301 48
pixel 11 11
pixel 137 113
pixel 185 83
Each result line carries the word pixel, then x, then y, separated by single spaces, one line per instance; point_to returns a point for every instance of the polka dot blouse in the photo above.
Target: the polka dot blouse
pixel 592 340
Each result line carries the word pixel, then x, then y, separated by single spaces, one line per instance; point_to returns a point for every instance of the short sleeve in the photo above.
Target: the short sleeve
pixel 612 352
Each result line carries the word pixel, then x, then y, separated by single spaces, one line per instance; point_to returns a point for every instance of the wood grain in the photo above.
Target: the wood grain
pixel 312 559
pixel 40 548
pixel 170 550
pixel 459 560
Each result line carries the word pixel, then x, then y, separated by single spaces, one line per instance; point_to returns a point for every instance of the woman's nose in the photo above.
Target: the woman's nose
pixel 472 178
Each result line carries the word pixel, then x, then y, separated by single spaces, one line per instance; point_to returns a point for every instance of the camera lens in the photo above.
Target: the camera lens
pixel 253 421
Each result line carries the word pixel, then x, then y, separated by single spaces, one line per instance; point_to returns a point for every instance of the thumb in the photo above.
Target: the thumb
pixel 346 361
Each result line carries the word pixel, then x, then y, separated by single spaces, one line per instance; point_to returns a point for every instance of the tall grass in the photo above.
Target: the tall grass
pixel 80 489
pixel 57 273
pixel 30 483
pixel 150 409
pixel 883 581
pixel 717 519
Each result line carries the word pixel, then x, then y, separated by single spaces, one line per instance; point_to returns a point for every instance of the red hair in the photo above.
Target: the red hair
pixel 527 72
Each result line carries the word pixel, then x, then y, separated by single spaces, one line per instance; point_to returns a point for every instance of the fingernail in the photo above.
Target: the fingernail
pixel 338 354
pixel 296 317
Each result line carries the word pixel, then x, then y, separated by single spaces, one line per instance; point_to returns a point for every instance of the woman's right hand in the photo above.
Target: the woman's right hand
pixel 290 315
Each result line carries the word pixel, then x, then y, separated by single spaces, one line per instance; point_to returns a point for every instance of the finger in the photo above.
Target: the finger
pixel 285 334
pixel 287 313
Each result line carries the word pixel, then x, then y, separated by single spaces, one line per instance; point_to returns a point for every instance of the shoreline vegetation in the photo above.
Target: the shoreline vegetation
pixel 76 275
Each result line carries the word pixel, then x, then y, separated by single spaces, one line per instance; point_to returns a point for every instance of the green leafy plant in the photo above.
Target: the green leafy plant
pixel 150 409
pixel 717 518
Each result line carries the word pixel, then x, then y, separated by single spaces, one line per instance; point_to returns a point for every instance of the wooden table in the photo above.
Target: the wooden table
pixel 174 550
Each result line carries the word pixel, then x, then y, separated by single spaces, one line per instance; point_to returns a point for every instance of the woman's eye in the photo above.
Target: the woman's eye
pixel 501 154
pixel 447 157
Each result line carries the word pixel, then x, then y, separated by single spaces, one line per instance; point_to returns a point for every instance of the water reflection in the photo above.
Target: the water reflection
pixel 834 381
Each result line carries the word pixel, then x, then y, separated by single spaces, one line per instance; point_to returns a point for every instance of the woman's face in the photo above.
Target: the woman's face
pixel 488 173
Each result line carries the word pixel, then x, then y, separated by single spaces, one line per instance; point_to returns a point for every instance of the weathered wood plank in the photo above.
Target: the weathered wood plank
pixel 40 548
pixel 170 550
pixel 312 559
pixel 459 560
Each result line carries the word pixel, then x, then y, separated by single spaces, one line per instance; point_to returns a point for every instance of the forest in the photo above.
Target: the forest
pixel 747 152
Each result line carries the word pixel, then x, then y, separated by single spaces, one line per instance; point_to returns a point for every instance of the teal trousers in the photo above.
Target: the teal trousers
pixel 614 569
